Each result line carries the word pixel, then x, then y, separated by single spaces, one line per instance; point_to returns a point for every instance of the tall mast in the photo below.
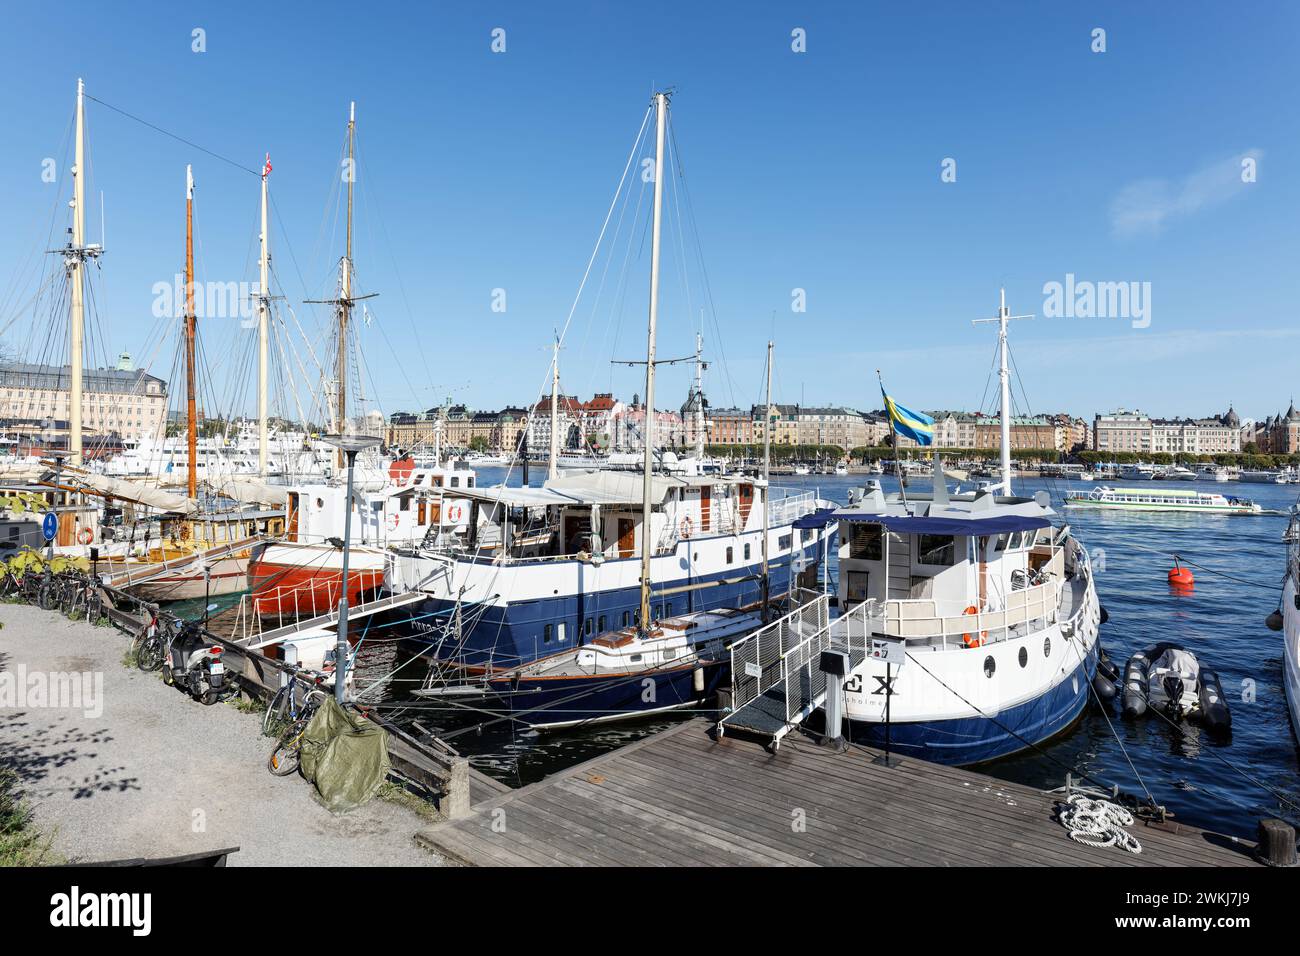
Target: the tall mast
pixel 1006 392
pixel 75 265
pixel 767 477
pixel 345 300
pixel 647 539
pixel 699 397
pixel 1002 318
pixel 552 471
pixel 191 417
pixel 263 328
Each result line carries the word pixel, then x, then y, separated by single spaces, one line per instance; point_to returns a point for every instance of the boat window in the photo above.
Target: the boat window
pixel 730 556
pixel 866 542
pixel 1001 543
pixel 455 481
pixel 600 624
pixel 406 502
pixel 587 626
pixel 635 658
pixel 626 618
pixel 547 633
pixel 1014 541
pixel 561 631
pixel 990 665
pixel 936 549
pixel 469 481
pixel 783 543
pixel 746 552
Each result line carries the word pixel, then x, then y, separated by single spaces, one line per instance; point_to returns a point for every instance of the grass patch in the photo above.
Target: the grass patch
pixel 391 792
pixel 20 843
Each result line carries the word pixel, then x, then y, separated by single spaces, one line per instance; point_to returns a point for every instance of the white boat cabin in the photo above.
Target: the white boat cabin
pixel 412 502
pixel 598 516
pixel 929 563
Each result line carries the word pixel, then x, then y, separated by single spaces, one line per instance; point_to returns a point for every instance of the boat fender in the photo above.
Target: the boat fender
pixel 1106 667
pixel 1104 687
pixel 1274 621
pixel 697 677
pixel 1214 706
pixel 1135 686
pixel 1104 615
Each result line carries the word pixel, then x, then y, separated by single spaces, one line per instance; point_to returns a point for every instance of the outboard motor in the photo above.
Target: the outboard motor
pixel 1135 685
pixel 1172 685
pixel 1214 707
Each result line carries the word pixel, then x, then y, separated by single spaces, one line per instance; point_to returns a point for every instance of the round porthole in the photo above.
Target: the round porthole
pixel 1024 657
pixel 1047 647
pixel 990 666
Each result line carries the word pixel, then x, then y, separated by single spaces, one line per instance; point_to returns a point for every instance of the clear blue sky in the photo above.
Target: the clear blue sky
pixel 818 171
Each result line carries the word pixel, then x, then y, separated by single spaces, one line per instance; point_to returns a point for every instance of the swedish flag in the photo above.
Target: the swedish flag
pixel 914 425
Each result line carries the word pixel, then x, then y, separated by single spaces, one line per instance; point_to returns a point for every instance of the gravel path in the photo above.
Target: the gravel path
pixel 158 774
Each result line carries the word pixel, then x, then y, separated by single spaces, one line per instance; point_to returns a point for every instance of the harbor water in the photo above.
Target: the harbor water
pixel 1219 784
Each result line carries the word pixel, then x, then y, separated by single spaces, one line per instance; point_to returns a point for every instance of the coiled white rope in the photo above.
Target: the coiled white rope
pixel 1098 823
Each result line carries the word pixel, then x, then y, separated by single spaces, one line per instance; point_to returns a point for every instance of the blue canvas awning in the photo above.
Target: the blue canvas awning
pixel 994 524
pixel 817 519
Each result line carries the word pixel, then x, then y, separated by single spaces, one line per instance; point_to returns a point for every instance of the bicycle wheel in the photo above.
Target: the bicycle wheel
pixel 277 710
pixel 151 653
pixel 286 756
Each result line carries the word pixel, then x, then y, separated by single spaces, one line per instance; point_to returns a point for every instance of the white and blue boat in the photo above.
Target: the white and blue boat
pixel 994 603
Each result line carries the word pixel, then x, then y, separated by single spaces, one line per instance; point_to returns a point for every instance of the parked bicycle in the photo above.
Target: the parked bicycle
pixel 287 755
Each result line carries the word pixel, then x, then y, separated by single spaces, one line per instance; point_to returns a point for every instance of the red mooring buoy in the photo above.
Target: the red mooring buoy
pixel 1180 577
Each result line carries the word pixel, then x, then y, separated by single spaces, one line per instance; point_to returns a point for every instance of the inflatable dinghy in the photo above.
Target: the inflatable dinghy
pixel 1169 677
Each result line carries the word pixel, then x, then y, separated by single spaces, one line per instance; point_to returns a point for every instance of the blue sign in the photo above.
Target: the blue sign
pixel 50 526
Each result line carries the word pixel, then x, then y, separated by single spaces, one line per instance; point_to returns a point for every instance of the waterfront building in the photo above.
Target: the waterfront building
pixel 1122 431
pixel 35 401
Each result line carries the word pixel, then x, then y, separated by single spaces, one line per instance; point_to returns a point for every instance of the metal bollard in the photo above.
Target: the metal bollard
pixel 835 665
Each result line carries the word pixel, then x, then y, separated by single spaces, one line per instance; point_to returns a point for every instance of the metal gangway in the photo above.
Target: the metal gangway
pixel 776 675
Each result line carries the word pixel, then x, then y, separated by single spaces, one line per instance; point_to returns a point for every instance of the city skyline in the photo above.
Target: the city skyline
pixel 863 189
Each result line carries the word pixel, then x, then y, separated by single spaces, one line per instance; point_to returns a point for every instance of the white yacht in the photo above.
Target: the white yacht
pixel 1213 473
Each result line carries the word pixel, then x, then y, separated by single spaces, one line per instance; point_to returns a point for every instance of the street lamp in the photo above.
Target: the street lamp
pixel 350 445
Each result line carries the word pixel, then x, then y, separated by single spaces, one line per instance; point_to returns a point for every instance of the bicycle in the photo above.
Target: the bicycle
pixel 155 644
pixel 287 755
pixel 289 702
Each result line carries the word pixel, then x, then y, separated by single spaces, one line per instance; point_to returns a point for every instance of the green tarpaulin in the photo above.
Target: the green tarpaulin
pixel 344 756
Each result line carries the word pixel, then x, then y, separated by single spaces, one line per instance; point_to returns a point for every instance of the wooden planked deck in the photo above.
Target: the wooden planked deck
pixel 680 798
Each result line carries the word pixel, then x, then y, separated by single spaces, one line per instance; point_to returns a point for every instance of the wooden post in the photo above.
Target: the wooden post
pixel 1276 843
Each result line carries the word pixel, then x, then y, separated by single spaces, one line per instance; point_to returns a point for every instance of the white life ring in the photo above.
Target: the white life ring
pixel 393 519
pixel 455 513
pixel 687 527
pixel 85 536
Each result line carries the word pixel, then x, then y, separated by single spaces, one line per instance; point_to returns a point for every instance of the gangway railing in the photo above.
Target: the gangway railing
pixel 776 675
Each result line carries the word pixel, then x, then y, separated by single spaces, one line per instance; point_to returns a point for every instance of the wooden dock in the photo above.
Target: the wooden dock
pixel 682 798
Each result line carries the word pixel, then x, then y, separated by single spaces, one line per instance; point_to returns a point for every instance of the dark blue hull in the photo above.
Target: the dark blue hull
pixel 575 700
pixel 977 739
pixel 504 636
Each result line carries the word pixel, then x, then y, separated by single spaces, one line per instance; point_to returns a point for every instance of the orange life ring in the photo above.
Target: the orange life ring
pixel 85 536
pixel 969 640
pixel 687 527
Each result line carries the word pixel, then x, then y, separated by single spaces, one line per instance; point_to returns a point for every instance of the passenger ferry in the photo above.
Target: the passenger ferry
pixel 1160 499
